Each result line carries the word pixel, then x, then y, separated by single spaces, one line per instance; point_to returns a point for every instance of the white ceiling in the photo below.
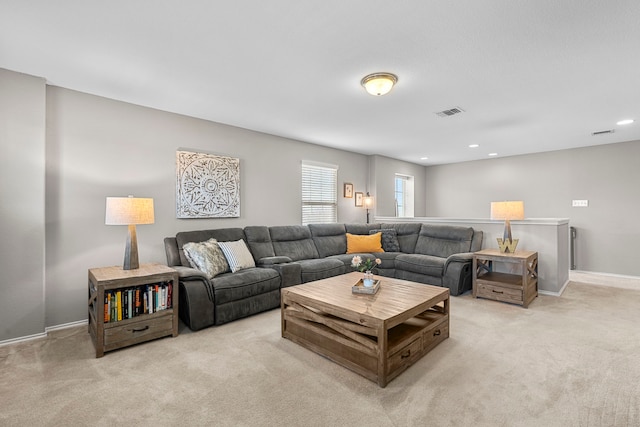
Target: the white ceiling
pixel 532 76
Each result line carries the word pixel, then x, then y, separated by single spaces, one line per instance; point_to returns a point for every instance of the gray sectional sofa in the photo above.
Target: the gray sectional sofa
pixel 437 255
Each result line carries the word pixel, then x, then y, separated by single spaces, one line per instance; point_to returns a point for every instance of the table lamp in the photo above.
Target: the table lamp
pixel 129 211
pixel 507 211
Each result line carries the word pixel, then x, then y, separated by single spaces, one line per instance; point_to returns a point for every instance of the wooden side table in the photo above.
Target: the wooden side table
pixel 519 287
pixel 156 315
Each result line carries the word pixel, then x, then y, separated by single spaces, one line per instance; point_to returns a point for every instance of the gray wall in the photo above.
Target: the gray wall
pixel 606 175
pixel 383 172
pixel 64 151
pixel 22 159
pixel 99 147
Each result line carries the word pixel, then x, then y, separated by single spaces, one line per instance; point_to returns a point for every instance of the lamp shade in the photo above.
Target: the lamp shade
pixel 368 201
pixel 129 210
pixel 379 84
pixel 507 210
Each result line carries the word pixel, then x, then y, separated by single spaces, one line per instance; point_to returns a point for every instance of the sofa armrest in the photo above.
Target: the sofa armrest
pixel 196 298
pixel 197 308
pixel 457 273
pixel 290 273
pixel 272 260
pixel 461 257
pixel 188 273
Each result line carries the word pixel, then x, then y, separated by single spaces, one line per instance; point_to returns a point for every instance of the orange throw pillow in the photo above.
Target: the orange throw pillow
pixel 357 244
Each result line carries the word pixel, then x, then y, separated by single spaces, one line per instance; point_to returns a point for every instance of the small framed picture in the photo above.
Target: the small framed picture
pixel 359 199
pixel 348 190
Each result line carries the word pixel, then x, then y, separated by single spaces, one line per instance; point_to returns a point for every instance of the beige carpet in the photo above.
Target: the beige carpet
pixel 566 361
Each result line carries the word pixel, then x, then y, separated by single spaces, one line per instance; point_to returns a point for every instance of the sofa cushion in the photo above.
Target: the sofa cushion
pixel 237 254
pixel 329 239
pixel 347 259
pixel 422 264
pixel 387 259
pixel 364 244
pixel 443 240
pixel 360 228
pixel 316 269
pixel 389 239
pixel 293 241
pixel 259 242
pixel 207 257
pixel 244 284
pixel 407 234
pixel 220 234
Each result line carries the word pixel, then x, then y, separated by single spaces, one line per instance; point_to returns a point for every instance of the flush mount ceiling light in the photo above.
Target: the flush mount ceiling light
pixel 624 122
pixel 379 84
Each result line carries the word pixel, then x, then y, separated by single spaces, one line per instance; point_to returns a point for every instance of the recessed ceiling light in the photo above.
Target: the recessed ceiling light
pixel 493 154
pixel 625 122
pixel 424 158
pixel 474 146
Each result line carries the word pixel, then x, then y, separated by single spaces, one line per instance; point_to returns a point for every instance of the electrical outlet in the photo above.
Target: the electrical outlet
pixel 580 203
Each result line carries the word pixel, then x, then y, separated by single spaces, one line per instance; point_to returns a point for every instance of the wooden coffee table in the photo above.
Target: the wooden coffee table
pixel 378 336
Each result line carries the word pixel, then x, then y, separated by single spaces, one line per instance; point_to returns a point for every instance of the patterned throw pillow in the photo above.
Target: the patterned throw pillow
pixel 237 254
pixel 206 257
pixel 389 239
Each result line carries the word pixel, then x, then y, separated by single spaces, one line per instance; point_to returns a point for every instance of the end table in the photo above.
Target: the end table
pixel 517 285
pixel 115 322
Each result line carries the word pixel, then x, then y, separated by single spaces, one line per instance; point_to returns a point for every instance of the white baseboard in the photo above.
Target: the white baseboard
pixel 22 339
pixel 43 334
pixel 555 294
pixel 66 325
pixel 605 279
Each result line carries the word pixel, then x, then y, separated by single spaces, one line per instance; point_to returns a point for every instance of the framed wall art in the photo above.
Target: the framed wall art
pixel 359 199
pixel 348 190
pixel 207 186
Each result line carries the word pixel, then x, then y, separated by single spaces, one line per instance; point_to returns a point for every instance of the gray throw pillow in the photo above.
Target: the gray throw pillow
pixel 206 257
pixel 389 239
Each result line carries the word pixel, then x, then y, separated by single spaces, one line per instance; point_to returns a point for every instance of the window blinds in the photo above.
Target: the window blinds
pixel 319 193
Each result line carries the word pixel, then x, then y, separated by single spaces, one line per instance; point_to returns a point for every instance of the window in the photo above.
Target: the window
pixel 319 193
pixel 404 195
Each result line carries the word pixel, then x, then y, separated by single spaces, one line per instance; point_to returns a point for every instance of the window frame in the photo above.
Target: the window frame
pixel 407 194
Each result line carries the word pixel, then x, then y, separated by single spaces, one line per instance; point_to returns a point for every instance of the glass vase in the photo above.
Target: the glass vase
pixel 367 280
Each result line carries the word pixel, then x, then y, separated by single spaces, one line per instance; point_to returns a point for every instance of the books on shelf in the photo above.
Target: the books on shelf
pixel 127 303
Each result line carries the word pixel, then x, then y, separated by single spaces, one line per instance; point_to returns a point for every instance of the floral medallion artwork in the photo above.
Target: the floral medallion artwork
pixel 207 186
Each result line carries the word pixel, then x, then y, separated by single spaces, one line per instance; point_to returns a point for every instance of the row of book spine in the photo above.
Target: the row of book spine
pixel 127 303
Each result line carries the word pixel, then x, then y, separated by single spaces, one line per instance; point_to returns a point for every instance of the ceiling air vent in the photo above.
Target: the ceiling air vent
pixel 602 132
pixel 450 112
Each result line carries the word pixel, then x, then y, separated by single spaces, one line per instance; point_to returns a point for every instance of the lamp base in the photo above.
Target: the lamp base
pixel 507 245
pixel 131 250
